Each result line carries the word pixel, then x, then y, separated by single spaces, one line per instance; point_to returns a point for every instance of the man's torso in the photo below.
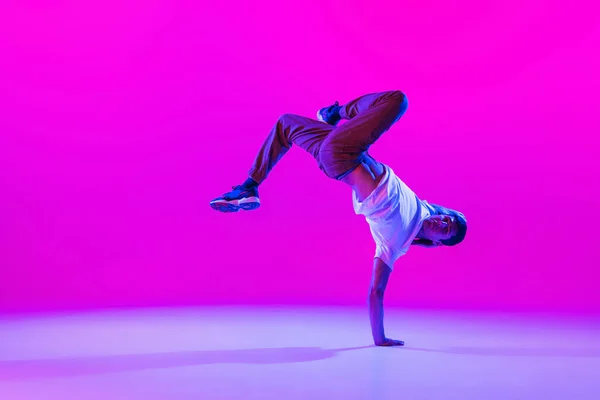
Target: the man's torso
pixel 394 213
pixel 366 177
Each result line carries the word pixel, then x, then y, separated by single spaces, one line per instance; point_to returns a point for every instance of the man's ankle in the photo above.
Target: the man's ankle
pixel 250 183
pixel 336 113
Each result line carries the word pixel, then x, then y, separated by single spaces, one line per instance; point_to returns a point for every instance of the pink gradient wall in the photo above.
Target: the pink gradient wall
pixel 120 120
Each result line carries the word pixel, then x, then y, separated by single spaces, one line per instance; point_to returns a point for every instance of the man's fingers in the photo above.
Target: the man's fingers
pixel 392 343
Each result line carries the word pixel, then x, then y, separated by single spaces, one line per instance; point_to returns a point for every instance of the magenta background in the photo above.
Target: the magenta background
pixel 120 120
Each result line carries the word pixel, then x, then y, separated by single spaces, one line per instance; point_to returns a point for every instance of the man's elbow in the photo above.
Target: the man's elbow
pixel 375 294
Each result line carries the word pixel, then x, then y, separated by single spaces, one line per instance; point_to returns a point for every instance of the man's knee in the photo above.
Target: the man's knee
pixel 287 119
pixel 399 97
pixel 399 101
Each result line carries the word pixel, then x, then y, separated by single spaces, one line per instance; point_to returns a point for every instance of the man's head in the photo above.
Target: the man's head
pixel 444 227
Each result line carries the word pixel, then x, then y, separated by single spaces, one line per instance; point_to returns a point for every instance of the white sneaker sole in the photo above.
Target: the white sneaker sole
pixel 247 204
pixel 319 117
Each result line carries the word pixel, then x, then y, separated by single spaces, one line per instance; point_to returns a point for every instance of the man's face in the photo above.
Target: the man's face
pixel 439 227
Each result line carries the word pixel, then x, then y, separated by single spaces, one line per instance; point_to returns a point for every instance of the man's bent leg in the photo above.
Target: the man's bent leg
pixel 289 129
pixel 369 117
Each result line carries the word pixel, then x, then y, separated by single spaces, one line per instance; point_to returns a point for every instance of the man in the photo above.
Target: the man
pixel 397 217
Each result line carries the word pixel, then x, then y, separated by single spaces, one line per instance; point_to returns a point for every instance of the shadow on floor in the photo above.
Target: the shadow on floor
pixel 515 352
pixel 19 370
pixel 68 367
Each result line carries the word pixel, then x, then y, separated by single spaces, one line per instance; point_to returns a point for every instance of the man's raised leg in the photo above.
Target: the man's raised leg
pixel 289 129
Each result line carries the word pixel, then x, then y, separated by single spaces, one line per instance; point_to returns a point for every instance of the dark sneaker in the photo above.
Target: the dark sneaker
pixel 240 197
pixel 330 115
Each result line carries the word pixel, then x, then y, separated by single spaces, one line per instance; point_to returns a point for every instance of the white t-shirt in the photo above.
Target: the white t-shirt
pixel 395 215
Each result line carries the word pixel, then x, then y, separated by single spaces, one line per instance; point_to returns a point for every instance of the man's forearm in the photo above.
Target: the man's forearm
pixel 381 274
pixel 376 316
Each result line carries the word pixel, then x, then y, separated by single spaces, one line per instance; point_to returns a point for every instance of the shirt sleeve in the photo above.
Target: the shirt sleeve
pixel 388 256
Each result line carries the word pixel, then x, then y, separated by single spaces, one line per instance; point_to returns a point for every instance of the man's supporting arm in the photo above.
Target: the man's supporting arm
pixel 381 274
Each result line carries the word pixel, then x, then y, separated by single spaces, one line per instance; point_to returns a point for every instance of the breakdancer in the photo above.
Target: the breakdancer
pixel 396 216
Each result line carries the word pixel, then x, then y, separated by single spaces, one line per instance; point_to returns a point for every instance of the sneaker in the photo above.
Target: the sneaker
pixel 240 197
pixel 330 115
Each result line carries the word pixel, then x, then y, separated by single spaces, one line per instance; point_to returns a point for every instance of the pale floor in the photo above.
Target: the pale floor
pixel 297 353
